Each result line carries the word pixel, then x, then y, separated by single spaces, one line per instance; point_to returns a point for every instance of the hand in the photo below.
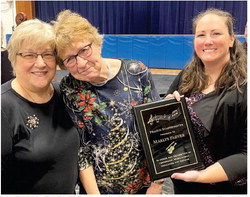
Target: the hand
pixel 154 189
pixel 212 174
pixel 175 95
pixel 189 176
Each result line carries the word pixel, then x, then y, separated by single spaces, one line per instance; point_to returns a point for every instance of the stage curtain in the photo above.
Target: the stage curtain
pixel 142 17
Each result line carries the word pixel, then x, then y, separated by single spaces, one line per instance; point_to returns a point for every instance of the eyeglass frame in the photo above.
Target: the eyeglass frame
pixel 36 55
pixel 88 45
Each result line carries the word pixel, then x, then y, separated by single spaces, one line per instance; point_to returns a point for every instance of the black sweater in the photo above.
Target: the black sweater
pixel 225 117
pixel 39 156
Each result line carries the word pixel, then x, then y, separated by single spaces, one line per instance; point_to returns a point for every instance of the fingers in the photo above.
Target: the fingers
pixel 175 176
pixel 169 96
pixel 175 95
pixel 180 176
pixel 188 176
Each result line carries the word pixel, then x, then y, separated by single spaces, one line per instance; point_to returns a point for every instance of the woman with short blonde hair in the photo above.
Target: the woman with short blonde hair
pixel 39 143
pixel 100 94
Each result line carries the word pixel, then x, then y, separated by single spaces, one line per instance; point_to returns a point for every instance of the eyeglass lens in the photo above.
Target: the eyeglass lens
pixel 83 53
pixel 33 56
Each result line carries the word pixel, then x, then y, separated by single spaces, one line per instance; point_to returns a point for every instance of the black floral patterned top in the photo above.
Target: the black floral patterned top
pixel 104 115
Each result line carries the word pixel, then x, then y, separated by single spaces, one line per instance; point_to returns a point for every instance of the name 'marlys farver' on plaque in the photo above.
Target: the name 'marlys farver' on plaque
pixel 167 137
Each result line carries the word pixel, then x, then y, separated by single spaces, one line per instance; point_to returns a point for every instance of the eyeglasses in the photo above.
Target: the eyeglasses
pixel 47 56
pixel 83 53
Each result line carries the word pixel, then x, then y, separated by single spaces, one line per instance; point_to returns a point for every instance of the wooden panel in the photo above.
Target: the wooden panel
pixel 28 7
pixel 164 71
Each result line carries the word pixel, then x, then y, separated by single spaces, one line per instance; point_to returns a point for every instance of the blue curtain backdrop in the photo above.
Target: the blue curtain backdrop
pixel 142 17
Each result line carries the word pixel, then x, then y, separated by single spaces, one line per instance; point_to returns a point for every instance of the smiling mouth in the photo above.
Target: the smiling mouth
pixel 40 72
pixel 208 50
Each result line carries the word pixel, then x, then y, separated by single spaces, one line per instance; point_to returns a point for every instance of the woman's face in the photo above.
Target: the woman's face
pixel 35 73
pixel 212 40
pixel 83 60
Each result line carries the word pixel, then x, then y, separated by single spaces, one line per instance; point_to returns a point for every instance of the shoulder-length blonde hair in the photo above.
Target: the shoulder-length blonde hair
pixel 233 74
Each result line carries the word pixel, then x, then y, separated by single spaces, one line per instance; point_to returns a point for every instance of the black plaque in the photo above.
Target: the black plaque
pixel 167 137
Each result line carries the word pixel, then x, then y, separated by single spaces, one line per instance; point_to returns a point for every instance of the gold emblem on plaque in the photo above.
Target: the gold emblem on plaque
pixel 171 147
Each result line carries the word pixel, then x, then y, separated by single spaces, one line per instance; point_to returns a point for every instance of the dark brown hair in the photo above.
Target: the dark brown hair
pixel 233 74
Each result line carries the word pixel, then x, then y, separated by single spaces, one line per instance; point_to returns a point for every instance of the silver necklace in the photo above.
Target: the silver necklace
pixel 29 95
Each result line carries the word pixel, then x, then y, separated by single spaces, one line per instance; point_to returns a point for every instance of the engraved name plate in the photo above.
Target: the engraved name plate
pixel 167 137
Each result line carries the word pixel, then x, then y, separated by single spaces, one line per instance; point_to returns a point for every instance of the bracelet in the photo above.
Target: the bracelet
pixel 159 182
